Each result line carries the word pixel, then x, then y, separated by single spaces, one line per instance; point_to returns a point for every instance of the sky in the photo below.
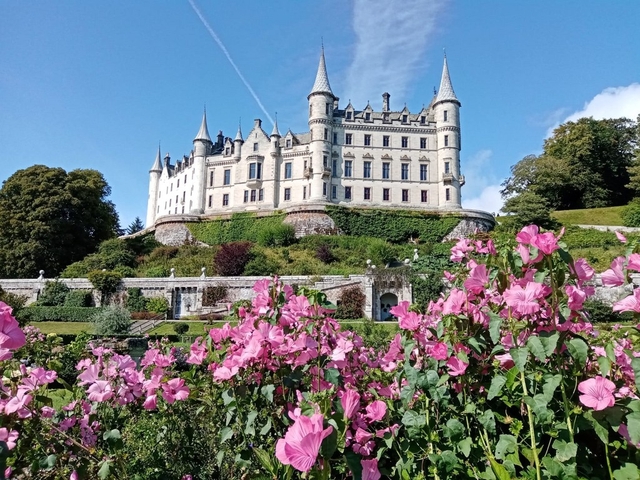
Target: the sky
pixel 99 84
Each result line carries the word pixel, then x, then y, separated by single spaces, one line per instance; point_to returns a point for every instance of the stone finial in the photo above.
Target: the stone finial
pixel 368 262
pixel 203 275
pixel 373 267
pixel 415 254
pixel 41 277
pixel 173 273
pixel 407 261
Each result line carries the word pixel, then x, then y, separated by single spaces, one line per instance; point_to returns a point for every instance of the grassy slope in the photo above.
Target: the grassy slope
pixel 64 327
pixel 590 216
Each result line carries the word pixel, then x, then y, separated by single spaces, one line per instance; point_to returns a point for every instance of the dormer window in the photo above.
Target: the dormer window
pixel 367 116
pixel 255 147
pixel 423 119
pixel 404 118
pixel 227 151
pixel 348 115
pixel 288 143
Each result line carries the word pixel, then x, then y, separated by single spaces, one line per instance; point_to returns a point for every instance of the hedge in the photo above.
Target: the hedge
pixel 393 225
pixel 241 226
pixel 57 314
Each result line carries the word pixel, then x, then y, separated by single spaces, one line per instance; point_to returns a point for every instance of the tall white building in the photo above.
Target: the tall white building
pixel 349 157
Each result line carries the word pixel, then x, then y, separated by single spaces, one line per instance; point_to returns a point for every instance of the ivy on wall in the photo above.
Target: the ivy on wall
pixel 393 225
pixel 244 226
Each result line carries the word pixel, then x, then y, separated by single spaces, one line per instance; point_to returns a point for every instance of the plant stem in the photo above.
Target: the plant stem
pixel 532 433
pixel 606 454
pixel 567 412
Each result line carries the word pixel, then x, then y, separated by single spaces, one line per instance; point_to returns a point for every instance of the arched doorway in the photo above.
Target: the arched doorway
pixel 387 302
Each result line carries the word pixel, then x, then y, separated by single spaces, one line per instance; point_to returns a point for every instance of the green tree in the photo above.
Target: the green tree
pixel 50 218
pixel 634 169
pixel 135 226
pixel 527 208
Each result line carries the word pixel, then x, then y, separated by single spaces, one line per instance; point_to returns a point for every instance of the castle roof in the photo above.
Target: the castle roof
pixel 445 92
pixel 275 130
pixel 157 165
pixel 321 85
pixel 203 133
pixel 239 134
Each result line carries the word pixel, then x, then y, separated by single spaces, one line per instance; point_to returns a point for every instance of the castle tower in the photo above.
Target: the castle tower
pixel 321 103
pixel 154 186
pixel 237 145
pixel 447 112
pixel 202 146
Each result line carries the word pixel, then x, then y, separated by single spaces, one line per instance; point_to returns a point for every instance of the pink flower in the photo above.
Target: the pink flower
pixel 151 403
pixel 74 476
pixel 614 277
pixel 478 278
pixel 527 234
pixel 10 437
pixel 576 297
pixel 301 444
pixel 634 262
pixel 370 469
pixel 598 393
pixel 350 402
pixel 624 431
pixel 198 352
pixel 175 389
pixel 439 351
pixel 455 302
pixel 524 300
pixel 376 410
pixel 621 237
pixel 406 320
pixel 547 243
pixel 629 304
pixel 90 375
pixel 460 249
pixel 47 412
pixel 11 336
pixel 456 366
pixel 362 436
pixel 100 391
pixel 582 270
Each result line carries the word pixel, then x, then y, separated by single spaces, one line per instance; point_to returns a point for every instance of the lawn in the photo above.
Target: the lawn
pixel 64 327
pixel 590 216
pixel 195 328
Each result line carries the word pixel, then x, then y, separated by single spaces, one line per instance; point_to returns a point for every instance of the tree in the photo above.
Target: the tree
pixel 634 169
pixel 50 218
pixel 135 226
pixel 527 208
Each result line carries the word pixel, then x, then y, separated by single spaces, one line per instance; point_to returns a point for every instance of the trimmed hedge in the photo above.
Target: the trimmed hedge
pixel 393 225
pixel 240 227
pixel 57 314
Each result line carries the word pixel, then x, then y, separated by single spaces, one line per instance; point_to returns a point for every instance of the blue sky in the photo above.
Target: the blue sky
pixel 98 84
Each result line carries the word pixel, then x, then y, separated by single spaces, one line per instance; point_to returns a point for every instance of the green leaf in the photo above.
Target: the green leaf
pixel 496 386
pixel 266 428
pixel 551 383
pixel 44 400
pixel 454 429
pixel 225 434
pixel 113 438
pixel 412 375
pixel 579 350
pixel 488 421
pixel 48 462
pixel 265 460
pixel 536 348
pixel 495 323
pixel 549 342
pixel 519 356
pixel 506 444
pixel 565 451
pixel 605 366
pixel 406 394
pixel 329 445
pixel 500 472
pixel 105 470
pixel 635 364
pixel 601 430
pixel 332 375
pixel 243 459
pixel 412 418
pixel 227 397
pixel 565 256
pixel 251 418
pixel 267 392
pixel 353 462
pixel 628 472
pixel 633 425
pixel 465 446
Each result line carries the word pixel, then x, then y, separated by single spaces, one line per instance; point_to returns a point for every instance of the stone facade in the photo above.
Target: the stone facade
pixel 351 157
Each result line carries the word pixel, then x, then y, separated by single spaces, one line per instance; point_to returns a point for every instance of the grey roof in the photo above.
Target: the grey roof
pixel 275 130
pixel 203 133
pixel 157 165
pixel 239 134
pixel 445 92
pixel 321 84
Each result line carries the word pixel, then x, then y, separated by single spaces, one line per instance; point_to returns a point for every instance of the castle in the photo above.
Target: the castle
pixel 349 157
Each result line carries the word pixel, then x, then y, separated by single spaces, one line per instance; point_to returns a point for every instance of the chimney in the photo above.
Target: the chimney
pixel 335 103
pixel 385 102
pixel 257 123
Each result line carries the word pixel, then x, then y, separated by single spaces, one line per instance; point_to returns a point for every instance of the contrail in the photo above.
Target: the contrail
pixel 233 64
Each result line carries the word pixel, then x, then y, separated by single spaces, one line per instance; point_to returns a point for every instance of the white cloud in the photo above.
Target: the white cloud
pixel 612 102
pixel 482 187
pixel 488 200
pixel 391 38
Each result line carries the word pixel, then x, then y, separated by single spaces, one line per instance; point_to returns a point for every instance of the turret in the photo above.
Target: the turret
pixel 321 104
pixel 237 145
pixel 446 107
pixel 275 137
pixel 202 146
pixel 154 186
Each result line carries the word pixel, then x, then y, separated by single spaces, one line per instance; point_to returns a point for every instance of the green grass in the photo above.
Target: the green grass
pixel 195 328
pixel 590 216
pixel 64 327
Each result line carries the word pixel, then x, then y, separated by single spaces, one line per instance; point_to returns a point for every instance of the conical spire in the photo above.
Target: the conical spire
pixel 203 133
pixel 321 84
pixel 446 93
pixel 275 130
pixel 157 165
pixel 239 135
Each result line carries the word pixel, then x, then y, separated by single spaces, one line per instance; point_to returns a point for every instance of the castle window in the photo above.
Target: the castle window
pixel 347 168
pixel 178 185
pixel 335 138
pixel 447 167
pixel 287 194
pixel 324 189
pixel 255 171
pixel 304 193
pixel 246 196
pixel 348 115
pixel 423 196
pixel 287 170
pixel 184 196
pixel 227 177
pixel 288 143
pixel 175 212
pixel 367 140
pixel 334 168
pixel 253 195
pixel 185 178
pixel 385 141
pixel 210 200
pixel 325 161
pixel 347 193
pixel 385 118
pixel 423 120
pixel 227 151
pixel 445 117
pixel 385 194
pixel 211 178
pixel 255 147
pixel 367 193
pixel 158 209
pixel 327 108
pixel 386 167
pixel 310 110
pixel 177 198
pixel 183 209
pixel 172 186
pixel 169 203
pixel 404 118
pixel 423 143
pixel 446 140
pixel 405 195
pixel 447 193
pixel 326 134
pixel 348 138
pixel 405 171
pixel 334 191
pixel 367 116
pixel 261 194
pixel 225 199
pixel 423 173
pixel 366 172
pixel 405 142
pixel 159 194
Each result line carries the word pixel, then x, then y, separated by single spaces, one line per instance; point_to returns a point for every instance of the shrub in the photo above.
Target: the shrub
pixel 631 213
pixel 600 312
pixel 125 272
pixel 213 295
pixel 426 290
pixel 351 304
pixel 53 294
pixel 112 320
pixel 144 316
pixel 158 305
pixel 105 281
pixel 78 298
pixel 381 253
pixel 56 314
pixel 156 272
pixel 180 328
pixel 16 302
pixel 232 257
pixel 261 266
pixel 136 302
pixel 324 253
pixel 277 235
pixel 164 252
pixel 240 227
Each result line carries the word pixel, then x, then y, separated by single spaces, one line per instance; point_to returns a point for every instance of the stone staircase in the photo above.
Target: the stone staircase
pixel 139 327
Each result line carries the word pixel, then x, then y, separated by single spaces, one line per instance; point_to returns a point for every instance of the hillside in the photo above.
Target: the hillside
pixel 590 216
